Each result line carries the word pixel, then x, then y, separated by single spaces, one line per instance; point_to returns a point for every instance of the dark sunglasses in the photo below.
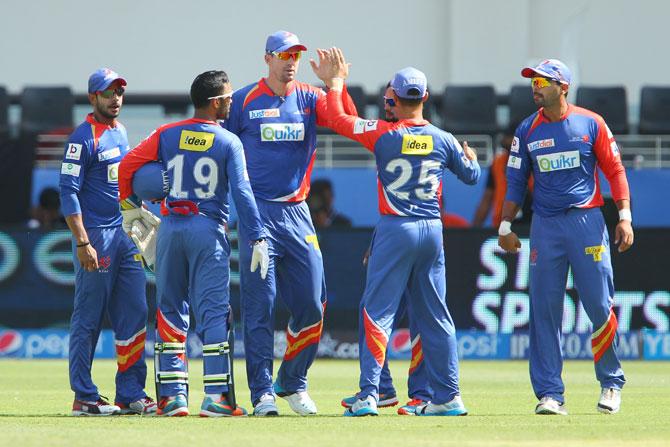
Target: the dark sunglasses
pixel 110 92
pixel 389 101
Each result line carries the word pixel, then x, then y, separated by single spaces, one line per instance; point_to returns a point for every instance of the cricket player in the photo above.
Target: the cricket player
pixel 109 274
pixel 417 382
pixel 204 162
pixel 276 120
pixel 563 146
pixel 407 249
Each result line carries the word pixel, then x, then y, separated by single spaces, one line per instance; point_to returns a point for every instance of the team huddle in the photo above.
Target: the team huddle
pixel 258 143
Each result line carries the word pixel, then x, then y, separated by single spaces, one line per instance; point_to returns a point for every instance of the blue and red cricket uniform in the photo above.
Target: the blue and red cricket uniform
pixel 89 186
pixel 407 252
pixel 279 138
pixel 568 230
pixel 204 162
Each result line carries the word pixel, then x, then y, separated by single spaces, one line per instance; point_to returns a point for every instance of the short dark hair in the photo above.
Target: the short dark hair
pixel 407 102
pixel 206 85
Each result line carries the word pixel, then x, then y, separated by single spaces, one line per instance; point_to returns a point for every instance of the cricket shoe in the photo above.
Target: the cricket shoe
pixel 409 409
pixel 173 406
pixel 266 406
pixel 454 407
pixel 549 405
pixel 144 407
pixel 385 400
pixel 610 401
pixel 90 408
pixel 363 407
pixel 300 402
pixel 211 408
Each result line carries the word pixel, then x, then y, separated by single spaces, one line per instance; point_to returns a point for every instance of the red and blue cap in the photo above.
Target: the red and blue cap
pixel 409 83
pixel 551 69
pixel 103 78
pixel 283 41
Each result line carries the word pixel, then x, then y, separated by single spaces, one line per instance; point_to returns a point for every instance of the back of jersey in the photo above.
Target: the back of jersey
pixel 196 155
pixel 411 162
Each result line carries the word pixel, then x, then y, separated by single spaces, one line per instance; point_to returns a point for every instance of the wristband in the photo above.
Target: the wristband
pixel 625 214
pixel 505 228
pixel 84 244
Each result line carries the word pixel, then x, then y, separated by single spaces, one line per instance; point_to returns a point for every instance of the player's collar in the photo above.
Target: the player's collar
pixel 90 118
pixel 265 88
pixel 544 118
pixel 414 122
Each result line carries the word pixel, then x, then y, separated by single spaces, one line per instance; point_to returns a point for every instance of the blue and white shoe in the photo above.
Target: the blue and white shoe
pixel 266 406
pixel 454 407
pixel 385 400
pixel 299 401
pixel 363 407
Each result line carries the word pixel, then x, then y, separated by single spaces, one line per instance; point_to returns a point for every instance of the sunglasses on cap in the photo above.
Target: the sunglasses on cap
pixel 539 82
pixel 227 95
pixel 389 101
pixel 111 91
pixel 285 55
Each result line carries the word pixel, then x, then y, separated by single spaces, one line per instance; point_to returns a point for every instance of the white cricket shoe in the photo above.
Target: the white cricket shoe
pixel 266 406
pixel 94 408
pixel 610 401
pixel 549 405
pixel 301 403
pixel 454 407
pixel 363 407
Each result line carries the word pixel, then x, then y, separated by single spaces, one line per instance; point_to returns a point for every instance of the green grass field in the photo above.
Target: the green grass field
pixel 35 405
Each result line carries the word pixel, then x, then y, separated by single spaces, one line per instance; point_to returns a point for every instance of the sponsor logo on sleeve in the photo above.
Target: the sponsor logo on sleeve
pixel 109 154
pixel 70 169
pixel 417 144
pixel 558 161
pixel 362 126
pixel 263 113
pixel 540 144
pixel 282 132
pixel 190 140
pixel 614 148
pixel 73 151
pixel 609 132
pixel 113 173
pixel 515 145
pixel 514 162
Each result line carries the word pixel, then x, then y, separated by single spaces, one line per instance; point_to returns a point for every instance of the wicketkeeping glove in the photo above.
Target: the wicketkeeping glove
pixel 144 238
pixel 260 257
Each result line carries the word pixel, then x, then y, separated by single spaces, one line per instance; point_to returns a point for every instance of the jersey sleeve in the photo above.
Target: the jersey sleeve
pixel 609 161
pixel 366 132
pixel 76 160
pixel 240 189
pixel 518 169
pixel 142 154
pixel 467 171
pixel 322 106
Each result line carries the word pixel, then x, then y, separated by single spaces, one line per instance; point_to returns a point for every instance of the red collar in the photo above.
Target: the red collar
pixel 90 118
pixel 265 88
pixel 414 122
pixel 544 118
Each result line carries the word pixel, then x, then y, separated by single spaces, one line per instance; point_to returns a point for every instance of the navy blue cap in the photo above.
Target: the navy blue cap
pixel 551 69
pixel 151 182
pixel 283 41
pixel 409 83
pixel 103 78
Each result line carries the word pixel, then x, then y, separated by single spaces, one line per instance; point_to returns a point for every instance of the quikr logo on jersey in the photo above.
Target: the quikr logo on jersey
pixel 283 132
pixel 190 140
pixel 417 144
pixel 558 161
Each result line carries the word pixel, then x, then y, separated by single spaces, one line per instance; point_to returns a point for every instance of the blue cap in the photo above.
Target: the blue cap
pixel 150 182
pixel 282 41
pixel 103 78
pixel 551 69
pixel 409 83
